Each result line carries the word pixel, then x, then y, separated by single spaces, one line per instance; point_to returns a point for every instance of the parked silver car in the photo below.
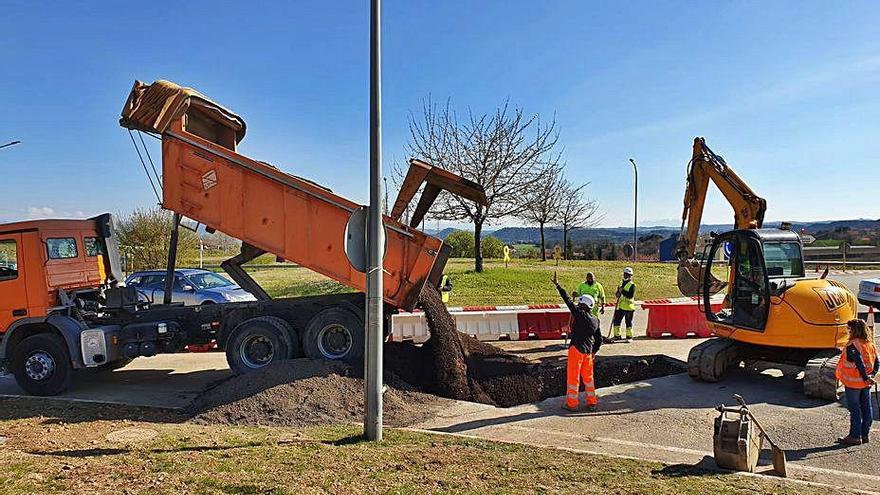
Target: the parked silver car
pixel 192 287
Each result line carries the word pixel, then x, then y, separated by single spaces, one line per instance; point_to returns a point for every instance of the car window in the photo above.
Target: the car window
pixel 134 281
pixel 178 282
pixel 61 248
pixel 208 280
pixel 92 246
pixel 8 260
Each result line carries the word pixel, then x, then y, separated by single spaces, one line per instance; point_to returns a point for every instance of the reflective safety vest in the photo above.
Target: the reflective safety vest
pixel 848 373
pixel 596 291
pixel 444 294
pixel 624 302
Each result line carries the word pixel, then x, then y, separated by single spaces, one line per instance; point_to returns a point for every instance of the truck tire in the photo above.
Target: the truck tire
pixel 258 342
pixel 41 365
pixel 335 334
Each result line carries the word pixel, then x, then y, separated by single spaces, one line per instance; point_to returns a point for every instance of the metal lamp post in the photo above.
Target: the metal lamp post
pixel 375 241
pixel 635 210
pixel 11 143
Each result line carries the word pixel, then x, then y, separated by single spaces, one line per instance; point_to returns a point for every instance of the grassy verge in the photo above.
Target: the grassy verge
pixel 522 282
pixel 66 451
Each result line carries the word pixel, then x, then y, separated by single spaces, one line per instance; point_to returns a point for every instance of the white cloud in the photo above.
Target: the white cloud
pixel 40 212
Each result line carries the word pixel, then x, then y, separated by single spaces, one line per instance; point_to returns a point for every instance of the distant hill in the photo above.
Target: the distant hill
pixel 532 235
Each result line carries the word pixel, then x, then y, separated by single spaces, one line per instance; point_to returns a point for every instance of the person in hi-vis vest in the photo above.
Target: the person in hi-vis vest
pixel 626 305
pixel 445 288
pixel 857 370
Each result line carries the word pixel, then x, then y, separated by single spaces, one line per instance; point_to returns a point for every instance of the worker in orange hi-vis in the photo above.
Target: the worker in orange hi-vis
pixel 586 338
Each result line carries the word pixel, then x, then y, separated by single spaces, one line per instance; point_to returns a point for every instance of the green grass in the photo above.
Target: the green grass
pixel 528 281
pixel 76 457
pixel 522 282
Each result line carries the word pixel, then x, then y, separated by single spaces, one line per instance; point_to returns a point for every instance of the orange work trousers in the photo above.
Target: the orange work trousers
pixel 580 370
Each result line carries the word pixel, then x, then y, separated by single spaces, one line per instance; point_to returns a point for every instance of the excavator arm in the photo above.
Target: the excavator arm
pixel 748 209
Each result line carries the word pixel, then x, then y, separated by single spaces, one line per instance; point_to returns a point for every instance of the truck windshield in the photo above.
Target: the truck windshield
pixel 208 280
pixel 783 259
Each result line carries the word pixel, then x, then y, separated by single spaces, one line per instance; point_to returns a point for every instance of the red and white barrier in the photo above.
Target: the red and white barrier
pixel 677 317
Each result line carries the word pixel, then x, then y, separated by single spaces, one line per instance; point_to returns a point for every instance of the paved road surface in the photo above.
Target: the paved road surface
pixel 670 419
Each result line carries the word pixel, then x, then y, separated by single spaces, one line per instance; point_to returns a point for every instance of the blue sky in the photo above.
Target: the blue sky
pixel 785 91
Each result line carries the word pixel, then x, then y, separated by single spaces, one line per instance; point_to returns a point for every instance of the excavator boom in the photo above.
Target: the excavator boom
pixel 748 209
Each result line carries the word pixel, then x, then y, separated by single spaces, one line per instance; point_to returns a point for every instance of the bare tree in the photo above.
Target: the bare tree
pixel 543 201
pixel 575 211
pixel 506 152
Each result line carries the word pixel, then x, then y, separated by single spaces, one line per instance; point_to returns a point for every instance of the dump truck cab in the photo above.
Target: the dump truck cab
pixel 44 261
pixel 51 272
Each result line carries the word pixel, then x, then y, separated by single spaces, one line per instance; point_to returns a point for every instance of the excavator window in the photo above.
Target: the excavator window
pixel 747 300
pixel 784 260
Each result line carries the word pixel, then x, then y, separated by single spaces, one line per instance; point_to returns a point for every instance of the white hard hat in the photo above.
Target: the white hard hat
pixel 628 271
pixel 588 300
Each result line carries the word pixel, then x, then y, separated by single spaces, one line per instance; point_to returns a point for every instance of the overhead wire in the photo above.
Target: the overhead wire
pixel 147 151
pixel 146 170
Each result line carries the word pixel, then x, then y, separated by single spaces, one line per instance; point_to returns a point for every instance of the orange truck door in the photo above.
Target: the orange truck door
pixel 13 293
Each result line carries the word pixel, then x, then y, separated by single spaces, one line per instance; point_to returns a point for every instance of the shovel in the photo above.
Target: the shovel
pixel 778 453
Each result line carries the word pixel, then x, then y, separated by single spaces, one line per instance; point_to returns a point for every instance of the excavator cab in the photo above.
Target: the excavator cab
pixel 759 263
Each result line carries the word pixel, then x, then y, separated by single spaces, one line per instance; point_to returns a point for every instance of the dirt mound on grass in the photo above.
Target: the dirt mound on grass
pixel 303 392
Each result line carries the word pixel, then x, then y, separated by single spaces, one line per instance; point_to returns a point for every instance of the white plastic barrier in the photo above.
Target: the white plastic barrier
pixel 409 326
pixel 483 325
pixel 488 325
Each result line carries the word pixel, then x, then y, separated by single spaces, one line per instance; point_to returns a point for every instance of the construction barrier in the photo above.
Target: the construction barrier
pixel 677 319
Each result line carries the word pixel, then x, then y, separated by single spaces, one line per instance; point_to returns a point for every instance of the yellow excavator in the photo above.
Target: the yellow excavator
pixel 771 311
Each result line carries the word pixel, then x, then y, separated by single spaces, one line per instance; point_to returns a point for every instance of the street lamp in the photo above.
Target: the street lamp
pixel 635 210
pixel 11 143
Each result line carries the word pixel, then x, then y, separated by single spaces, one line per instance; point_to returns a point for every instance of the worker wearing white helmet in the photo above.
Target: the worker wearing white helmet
pixel 586 338
pixel 626 306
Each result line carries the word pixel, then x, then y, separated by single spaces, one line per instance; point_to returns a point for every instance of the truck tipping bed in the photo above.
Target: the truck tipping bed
pixel 205 179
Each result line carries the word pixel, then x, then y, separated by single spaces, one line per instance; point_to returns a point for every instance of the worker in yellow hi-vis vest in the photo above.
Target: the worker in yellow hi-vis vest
pixel 626 305
pixel 445 288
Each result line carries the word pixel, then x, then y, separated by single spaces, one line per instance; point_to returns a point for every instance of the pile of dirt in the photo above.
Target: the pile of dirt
pixel 303 392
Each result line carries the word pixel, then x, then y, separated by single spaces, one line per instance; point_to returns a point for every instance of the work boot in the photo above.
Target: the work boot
pixel 848 440
pixel 864 439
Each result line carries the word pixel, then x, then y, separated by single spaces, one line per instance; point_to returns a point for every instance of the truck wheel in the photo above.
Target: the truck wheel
pixel 335 333
pixel 258 342
pixel 41 365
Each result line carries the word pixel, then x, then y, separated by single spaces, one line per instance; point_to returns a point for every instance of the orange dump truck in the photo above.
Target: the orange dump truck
pixel 91 321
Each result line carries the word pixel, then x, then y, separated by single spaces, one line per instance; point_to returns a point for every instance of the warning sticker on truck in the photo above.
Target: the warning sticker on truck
pixel 209 179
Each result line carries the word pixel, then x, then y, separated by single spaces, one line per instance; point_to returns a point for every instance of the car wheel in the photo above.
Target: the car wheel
pixel 259 342
pixel 336 334
pixel 41 365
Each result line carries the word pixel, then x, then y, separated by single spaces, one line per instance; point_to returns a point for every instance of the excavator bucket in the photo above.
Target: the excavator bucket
pixel 436 180
pixel 690 279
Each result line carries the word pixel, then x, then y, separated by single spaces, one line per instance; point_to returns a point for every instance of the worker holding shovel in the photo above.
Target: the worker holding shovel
pixel 586 338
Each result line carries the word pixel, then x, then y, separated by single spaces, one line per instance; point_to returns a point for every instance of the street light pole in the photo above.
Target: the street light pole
pixel 11 143
pixel 635 210
pixel 375 241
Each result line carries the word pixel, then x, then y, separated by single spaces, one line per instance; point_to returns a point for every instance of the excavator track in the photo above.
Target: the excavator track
pixel 708 361
pixel 820 380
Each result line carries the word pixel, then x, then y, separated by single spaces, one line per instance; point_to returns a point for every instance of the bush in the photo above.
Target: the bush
pixel 492 247
pixel 462 244
pixel 144 237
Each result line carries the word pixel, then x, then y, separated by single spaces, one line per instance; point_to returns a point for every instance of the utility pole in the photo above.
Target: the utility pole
pixel 375 241
pixel 635 211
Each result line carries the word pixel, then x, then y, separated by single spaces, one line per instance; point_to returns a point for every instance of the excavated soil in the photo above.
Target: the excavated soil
pixel 450 364
pixel 464 368
pixel 303 392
